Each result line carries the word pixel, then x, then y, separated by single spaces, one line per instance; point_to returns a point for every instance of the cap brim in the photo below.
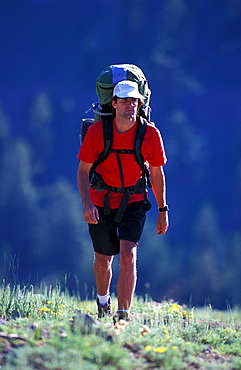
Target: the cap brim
pixel 130 94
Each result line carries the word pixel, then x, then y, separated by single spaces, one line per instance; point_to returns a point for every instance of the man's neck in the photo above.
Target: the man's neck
pixel 123 125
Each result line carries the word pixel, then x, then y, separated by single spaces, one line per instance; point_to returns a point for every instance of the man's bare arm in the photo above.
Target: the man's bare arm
pixel 90 213
pixel 159 189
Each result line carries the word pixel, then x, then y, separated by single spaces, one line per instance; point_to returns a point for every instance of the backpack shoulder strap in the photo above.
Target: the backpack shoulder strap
pixel 140 133
pixel 108 138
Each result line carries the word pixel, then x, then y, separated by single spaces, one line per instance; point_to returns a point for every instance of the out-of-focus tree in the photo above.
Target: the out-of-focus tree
pixel 41 135
pixel 19 200
pixel 41 225
pixel 207 257
pixel 61 243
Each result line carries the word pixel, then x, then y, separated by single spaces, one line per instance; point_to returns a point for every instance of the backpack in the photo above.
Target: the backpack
pixel 105 84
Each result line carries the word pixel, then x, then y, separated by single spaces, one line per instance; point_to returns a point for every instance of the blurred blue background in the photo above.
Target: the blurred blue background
pixel 52 51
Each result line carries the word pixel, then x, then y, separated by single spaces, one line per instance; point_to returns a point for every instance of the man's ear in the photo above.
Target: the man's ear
pixel 113 102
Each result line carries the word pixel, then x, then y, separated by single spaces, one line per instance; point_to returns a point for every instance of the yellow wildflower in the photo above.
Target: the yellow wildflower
pixel 44 309
pixel 175 308
pixel 228 330
pixel 161 349
pixel 148 348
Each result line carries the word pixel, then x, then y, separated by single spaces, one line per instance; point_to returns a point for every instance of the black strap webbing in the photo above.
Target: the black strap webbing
pixel 120 170
pixel 140 133
pixel 108 137
pixel 122 206
pixel 106 204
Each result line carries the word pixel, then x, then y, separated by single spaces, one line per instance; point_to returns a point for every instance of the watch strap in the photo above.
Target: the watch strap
pixel 163 209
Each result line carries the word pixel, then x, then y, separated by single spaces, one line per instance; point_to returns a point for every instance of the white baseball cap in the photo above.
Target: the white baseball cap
pixel 127 89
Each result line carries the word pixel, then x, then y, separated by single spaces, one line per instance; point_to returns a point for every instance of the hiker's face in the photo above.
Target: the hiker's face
pixel 126 107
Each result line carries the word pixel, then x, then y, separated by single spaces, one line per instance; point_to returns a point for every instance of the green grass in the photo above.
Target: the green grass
pixel 44 330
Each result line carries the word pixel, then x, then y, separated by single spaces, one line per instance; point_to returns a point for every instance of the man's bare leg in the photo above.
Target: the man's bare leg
pixel 103 273
pixel 128 275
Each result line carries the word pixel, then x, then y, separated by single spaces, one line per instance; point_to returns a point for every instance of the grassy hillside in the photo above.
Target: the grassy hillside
pixel 49 329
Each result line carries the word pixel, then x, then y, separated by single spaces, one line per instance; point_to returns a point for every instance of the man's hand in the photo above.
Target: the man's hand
pixel 91 214
pixel 162 223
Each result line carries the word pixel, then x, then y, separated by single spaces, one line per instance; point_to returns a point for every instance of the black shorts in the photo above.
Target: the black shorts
pixel 106 235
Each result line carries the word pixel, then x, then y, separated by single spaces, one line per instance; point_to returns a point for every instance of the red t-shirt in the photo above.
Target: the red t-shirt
pixel 152 150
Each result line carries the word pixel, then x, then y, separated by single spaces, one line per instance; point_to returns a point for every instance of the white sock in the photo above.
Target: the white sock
pixel 103 299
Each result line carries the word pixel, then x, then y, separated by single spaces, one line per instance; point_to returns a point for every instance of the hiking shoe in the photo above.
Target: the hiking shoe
pixel 120 315
pixel 104 310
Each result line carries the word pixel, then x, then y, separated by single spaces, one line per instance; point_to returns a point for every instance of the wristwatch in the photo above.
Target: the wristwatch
pixel 163 209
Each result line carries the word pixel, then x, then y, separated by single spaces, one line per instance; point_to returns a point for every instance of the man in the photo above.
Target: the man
pixel 119 169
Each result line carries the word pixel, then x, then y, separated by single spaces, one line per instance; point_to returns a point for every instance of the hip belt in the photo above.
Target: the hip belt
pixel 97 183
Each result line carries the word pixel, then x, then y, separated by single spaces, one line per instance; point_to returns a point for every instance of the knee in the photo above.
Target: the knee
pixel 103 262
pixel 128 260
